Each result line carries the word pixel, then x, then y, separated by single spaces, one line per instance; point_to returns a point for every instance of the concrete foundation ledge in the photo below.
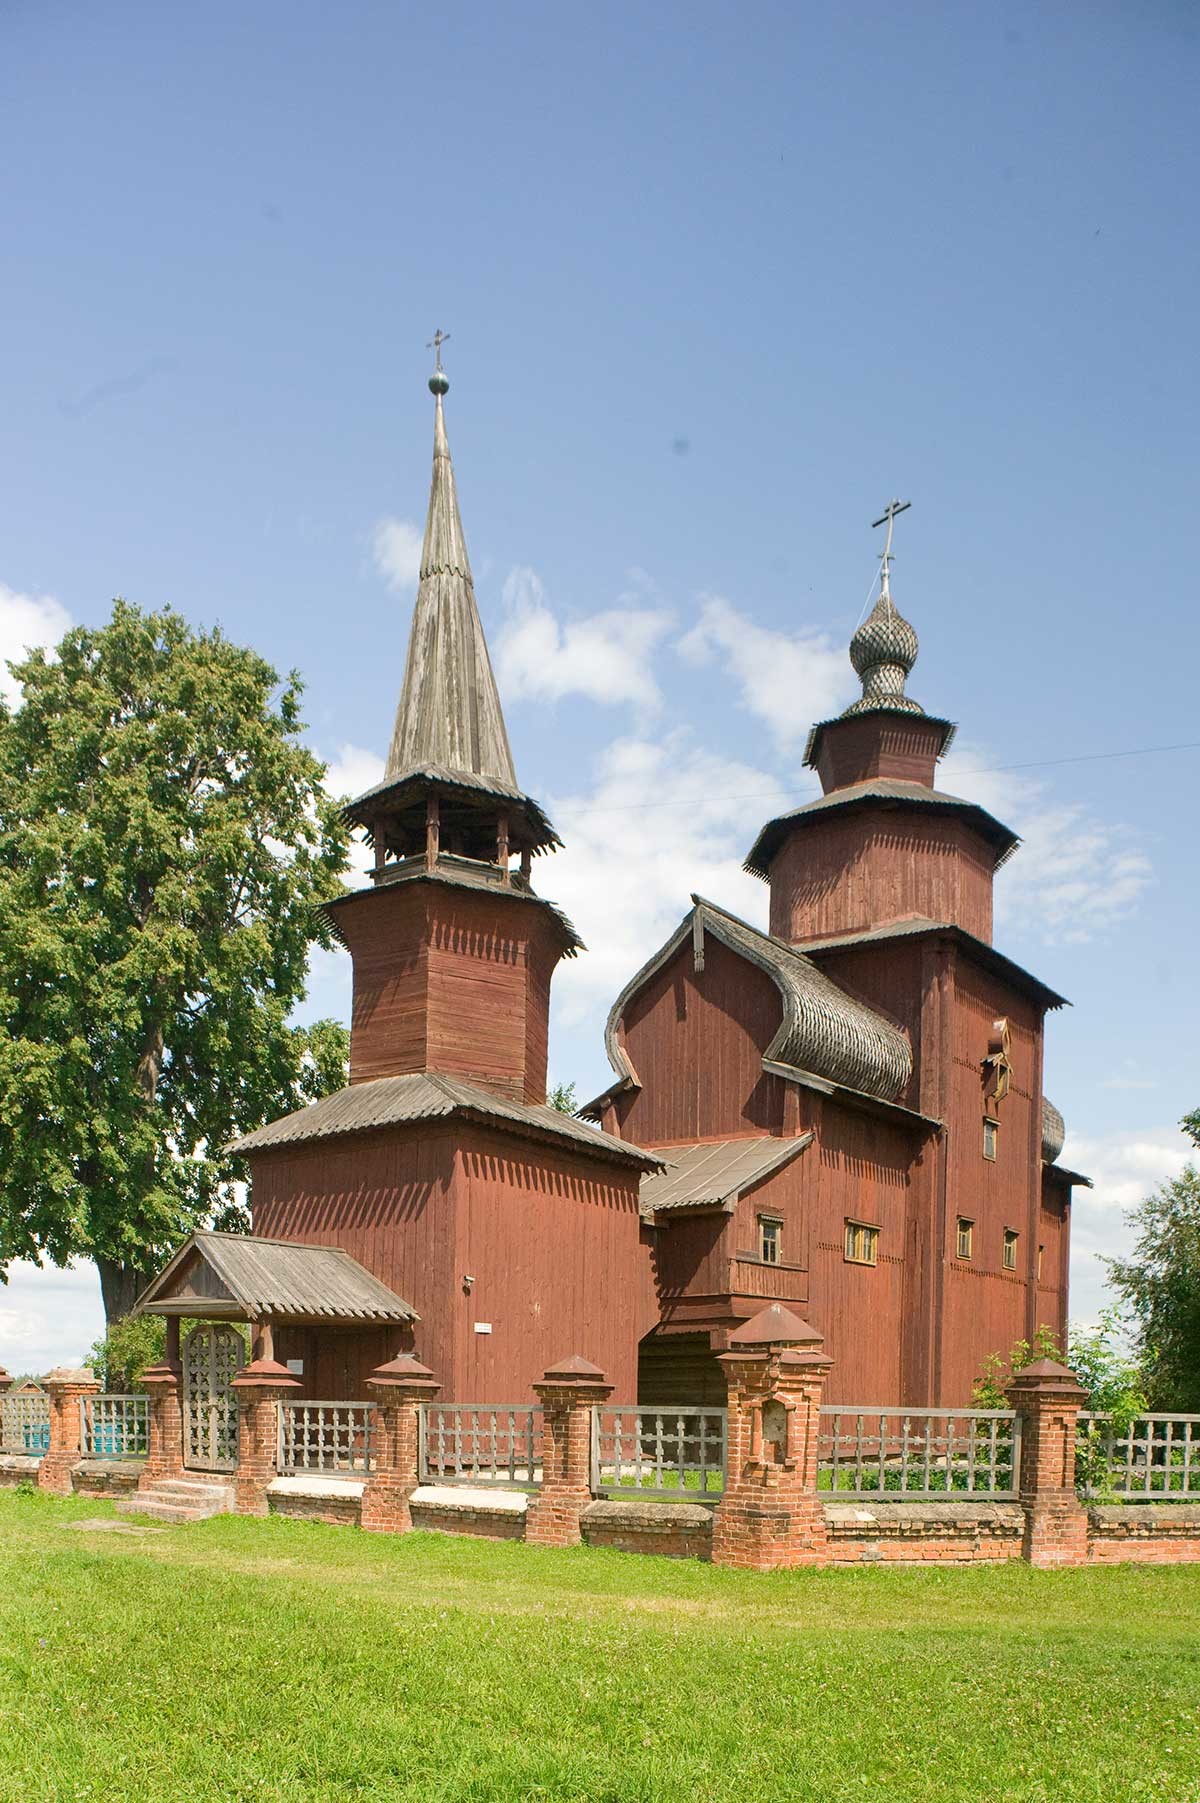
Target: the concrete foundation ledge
pixel 106 1477
pixel 924 1517
pixel 18 1467
pixel 648 1517
pixel 469 1499
pixel 341 1489
pixel 1155 1519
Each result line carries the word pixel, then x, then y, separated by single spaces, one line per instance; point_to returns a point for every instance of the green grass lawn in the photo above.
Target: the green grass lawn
pixel 260 1660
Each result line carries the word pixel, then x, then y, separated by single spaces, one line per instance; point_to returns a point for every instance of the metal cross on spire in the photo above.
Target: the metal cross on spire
pixel 885 563
pixel 435 344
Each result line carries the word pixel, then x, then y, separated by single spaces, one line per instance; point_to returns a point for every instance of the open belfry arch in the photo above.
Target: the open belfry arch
pixel 841 1116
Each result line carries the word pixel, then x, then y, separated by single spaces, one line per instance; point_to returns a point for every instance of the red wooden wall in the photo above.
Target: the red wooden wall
pixel 552 1241
pixel 862 867
pixel 696 1040
pixel 453 981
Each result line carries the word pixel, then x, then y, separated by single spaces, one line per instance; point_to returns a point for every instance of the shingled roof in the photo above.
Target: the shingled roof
pixel 428 1096
pixel 714 1175
pixel 822 1029
pixel 916 926
pixel 235 1276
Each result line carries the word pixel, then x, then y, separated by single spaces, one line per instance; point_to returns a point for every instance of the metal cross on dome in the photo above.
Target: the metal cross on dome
pixel 435 344
pixel 889 516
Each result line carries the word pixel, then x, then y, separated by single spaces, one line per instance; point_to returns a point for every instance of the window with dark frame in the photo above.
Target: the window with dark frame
pixel 966 1236
pixel 1011 1236
pixel 862 1243
pixel 991 1139
pixel 770 1238
pixel 1041 1256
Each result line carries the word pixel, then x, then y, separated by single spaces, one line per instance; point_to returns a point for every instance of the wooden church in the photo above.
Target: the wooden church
pixel 844 1114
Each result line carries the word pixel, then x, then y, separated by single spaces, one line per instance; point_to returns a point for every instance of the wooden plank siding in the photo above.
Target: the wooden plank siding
pixel 867 866
pixel 552 1240
pixel 452 981
pixel 696 1039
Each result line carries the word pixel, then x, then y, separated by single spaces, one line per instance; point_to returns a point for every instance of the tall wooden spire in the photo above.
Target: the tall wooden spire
pixel 449 716
pixel 453 950
pixel 449 782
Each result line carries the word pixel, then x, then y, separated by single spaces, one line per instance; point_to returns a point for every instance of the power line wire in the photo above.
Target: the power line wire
pixel 1085 757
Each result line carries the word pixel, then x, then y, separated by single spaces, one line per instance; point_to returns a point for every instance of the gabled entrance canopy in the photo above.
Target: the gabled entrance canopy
pixel 235 1277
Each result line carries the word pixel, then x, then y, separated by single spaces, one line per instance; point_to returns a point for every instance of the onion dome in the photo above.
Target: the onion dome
pixel 883 651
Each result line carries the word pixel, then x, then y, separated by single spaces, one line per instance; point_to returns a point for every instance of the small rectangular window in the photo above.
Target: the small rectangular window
pixel 862 1243
pixel 1010 1248
pixel 966 1236
pixel 1041 1256
pixel 770 1235
pixel 991 1139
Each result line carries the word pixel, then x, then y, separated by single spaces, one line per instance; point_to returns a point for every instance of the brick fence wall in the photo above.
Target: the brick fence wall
pixel 770 1515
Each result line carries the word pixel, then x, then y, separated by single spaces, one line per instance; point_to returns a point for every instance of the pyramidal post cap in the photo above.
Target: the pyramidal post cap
pixel 405 1368
pixel 265 1374
pixel 1043 1374
pixel 775 1326
pixel 576 1366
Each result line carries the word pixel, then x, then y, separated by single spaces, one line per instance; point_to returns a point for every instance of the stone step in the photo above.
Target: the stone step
pixel 157 1510
pixel 180 1499
pixel 186 1487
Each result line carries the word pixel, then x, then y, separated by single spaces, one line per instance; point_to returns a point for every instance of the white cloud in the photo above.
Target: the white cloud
pixel 1074 874
pixel 787 679
pixel 663 819
pixel 396 549
pixel 48 1317
pixel 1124 1168
pixel 605 656
pixel 26 621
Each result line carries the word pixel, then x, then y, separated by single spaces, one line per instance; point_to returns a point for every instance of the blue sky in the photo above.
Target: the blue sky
pixel 719 284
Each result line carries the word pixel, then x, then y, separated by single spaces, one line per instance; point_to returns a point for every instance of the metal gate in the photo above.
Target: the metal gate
pixel 212 1356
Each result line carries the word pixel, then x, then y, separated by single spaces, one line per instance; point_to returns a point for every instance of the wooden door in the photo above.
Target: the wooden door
pixel 212 1355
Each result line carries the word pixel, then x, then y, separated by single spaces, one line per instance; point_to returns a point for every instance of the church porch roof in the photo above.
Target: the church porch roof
pixel 234 1276
pixel 713 1175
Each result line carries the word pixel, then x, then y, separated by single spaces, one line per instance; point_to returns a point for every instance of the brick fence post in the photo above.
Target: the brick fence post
pixel 65 1387
pixel 260 1385
pixel 770 1515
pixel 164 1436
pixel 568 1392
pixel 398 1390
pixel 1048 1396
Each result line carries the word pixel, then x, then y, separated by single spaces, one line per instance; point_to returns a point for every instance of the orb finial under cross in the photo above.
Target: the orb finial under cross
pixel 438 382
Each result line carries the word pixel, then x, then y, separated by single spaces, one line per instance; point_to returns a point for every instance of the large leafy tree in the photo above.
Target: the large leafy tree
pixel 164 844
pixel 1161 1283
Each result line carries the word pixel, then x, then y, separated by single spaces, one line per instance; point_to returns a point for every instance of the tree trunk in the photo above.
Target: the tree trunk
pixel 120 1287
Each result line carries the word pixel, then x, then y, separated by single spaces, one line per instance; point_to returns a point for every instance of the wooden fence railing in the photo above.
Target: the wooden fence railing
pixel 678 1453
pixel 919 1452
pixel 1152 1456
pixel 25 1423
pixel 472 1443
pixel 332 1439
pixel 114 1426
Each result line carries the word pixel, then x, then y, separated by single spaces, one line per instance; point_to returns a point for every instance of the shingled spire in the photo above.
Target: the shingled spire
pixel 449 785
pixel 449 716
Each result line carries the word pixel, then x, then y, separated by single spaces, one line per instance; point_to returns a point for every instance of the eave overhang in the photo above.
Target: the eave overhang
pixel 460 873
pixel 812 745
pixel 408 790
pixel 883 792
pixel 917 928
